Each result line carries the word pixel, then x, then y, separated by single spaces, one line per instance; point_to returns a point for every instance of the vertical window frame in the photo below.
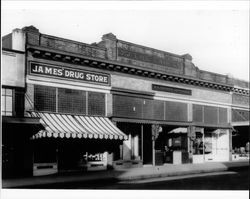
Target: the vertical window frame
pixel 4 96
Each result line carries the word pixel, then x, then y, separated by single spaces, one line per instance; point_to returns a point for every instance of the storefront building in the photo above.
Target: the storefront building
pixel 113 104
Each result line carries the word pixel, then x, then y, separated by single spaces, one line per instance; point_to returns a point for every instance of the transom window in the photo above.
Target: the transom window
pixel 64 100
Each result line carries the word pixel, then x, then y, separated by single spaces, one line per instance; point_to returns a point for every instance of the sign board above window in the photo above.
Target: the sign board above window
pixel 68 73
pixel 171 89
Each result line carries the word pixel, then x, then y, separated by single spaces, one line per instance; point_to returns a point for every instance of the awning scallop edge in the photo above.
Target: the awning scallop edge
pixel 76 126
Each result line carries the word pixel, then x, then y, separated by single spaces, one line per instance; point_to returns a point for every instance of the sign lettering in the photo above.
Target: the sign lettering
pixel 68 73
pixel 171 89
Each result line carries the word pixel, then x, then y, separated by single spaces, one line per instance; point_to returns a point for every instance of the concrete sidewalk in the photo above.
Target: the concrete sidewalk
pixel 125 174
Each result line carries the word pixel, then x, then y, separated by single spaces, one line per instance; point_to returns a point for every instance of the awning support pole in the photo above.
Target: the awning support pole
pixel 153 146
pixel 203 140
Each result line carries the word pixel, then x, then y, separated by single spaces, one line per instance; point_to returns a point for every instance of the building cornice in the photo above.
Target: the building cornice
pixel 74 58
pixel 11 50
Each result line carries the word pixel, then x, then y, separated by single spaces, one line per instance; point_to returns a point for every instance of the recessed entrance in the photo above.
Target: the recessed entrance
pixel 240 143
pixel 171 146
pixel 147 144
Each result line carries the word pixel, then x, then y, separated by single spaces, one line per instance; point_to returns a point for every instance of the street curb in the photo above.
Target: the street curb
pixel 161 175
pixel 230 166
pixel 128 175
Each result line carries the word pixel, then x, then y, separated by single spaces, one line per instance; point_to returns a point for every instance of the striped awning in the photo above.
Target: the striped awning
pixel 76 126
pixel 179 130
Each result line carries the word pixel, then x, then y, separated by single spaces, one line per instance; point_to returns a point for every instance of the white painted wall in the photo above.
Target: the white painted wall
pixel 222 146
pixel 127 149
pixel 18 40
pixel 13 69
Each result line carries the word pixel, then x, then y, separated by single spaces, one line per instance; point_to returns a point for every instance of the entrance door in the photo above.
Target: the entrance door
pixel 198 146
pixel 222 145
pixel 147 144
pixel 44 157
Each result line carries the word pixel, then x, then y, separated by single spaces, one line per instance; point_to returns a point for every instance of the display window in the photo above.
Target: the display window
pixel 209 144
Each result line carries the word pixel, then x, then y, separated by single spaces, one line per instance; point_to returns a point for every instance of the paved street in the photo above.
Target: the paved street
pixel 227 180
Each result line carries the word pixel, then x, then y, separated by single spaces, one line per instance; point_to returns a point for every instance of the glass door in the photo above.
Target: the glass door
pixel 198 145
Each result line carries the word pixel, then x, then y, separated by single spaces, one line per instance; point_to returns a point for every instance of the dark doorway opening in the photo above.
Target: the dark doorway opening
pixel 172 140
pixel 240 139
pixel 147 144
pixel 17 150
